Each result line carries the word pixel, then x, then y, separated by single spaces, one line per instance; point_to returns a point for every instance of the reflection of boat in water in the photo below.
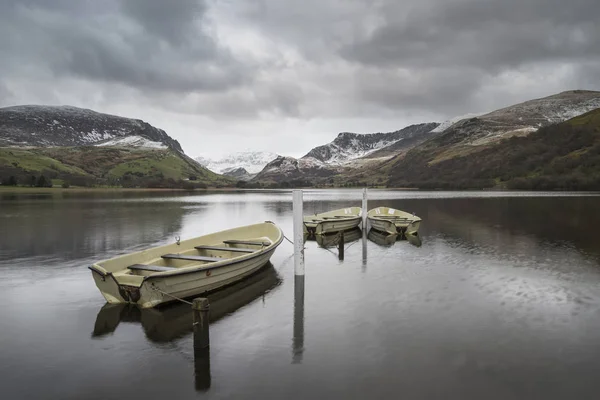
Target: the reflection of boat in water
pixel 173 321
pixel 333 221
pixel 393 221
pixel 188 268
pixel 332 239
pixel 386 239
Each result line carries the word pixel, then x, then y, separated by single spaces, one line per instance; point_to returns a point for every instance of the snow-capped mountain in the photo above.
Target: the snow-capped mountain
pixel 289 168
pixel 347 146
pixel 252 161
pixel 52 126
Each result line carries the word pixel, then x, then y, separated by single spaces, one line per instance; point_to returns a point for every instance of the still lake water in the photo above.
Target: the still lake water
pixel 501 300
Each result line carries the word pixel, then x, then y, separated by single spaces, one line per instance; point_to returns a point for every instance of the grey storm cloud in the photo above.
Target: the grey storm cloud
pixel 307 59
pixel 145 44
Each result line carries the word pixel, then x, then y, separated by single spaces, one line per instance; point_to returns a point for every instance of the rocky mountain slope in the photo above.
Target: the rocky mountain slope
pixel 561 156
pixel 33 125
pixel 347 146
pixel 86 148
pixel 252 161
pixel 302 172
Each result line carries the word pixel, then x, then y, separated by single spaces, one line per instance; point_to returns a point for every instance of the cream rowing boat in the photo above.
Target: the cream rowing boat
pixel 188 268
pixel 393 221
pixel 333 221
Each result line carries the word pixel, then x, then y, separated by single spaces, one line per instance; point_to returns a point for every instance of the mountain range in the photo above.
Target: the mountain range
pixel 84 147
pixel 390 159
pixel 89 148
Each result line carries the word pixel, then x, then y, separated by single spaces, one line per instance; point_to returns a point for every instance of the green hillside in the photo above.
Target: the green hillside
pixel 114 166
pixel 564 156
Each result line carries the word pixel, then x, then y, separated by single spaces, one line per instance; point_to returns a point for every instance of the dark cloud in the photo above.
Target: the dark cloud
pixel 492 35
pixel 248 65
pixel 149 45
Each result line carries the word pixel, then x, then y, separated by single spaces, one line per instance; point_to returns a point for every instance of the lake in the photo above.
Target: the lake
pixel 498 299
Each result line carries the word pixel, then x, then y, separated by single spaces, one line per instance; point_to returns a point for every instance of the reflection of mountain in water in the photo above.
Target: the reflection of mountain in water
pixel 387 239
pixel 82 227
pixel 168 323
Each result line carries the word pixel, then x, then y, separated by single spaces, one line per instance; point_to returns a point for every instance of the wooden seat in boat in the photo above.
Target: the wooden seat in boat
pixel 249 242
pixel 191 258
pixel 217 248
pixel 153 268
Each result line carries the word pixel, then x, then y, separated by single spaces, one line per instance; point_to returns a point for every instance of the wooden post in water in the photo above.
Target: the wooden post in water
pixel 201 315
pixel 298 233
pixel 364 209
pixel 201 309
pixel 341 246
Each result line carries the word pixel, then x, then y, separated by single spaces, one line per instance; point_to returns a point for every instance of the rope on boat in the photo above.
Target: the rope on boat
pixel 170 295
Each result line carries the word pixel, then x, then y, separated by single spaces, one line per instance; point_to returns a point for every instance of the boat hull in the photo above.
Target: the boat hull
pixel 325 227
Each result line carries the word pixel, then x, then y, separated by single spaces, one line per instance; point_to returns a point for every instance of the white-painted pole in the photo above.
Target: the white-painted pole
pixel 364 209
pixel 298 233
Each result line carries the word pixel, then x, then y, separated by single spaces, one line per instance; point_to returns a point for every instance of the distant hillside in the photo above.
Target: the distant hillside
pixel 39 126
pixel 114 166
pixel 83 147
pixel 561 156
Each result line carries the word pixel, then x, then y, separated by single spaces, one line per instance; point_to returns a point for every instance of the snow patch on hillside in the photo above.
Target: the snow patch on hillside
pixel 447 124
pixel 133 141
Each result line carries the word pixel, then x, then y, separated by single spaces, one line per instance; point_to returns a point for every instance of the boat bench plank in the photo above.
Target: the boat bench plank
pixel 249 242
pixel 217 248
pixel 153 268
pixel 191 258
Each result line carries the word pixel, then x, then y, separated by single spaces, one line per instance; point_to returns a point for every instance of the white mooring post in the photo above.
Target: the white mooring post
pixel 298 233
pixel 364 209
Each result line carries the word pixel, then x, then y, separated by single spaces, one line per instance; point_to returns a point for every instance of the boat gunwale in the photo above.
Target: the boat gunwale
pixel 391 218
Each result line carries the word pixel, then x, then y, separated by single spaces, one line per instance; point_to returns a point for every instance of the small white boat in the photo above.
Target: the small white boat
pixel 188 268
pixel 393 221
pixel 333 221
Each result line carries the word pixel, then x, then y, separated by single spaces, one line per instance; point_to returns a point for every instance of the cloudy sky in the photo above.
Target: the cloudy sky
pixel 287 75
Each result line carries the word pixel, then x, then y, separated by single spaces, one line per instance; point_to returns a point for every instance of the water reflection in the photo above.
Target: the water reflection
pixel 333 239
pixel 387 239
pixel 298 339
pixel 78 229
pixel 165 324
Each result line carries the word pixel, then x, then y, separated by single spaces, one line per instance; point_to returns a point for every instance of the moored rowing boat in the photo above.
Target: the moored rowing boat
pixel 393 221
pixel 333 221
pixel 188 268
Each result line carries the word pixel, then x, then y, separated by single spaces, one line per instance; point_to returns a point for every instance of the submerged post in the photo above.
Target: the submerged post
pixel 364 209
pixel 298 338
pixel 298 233
pixel 341 246
pixel 201 309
